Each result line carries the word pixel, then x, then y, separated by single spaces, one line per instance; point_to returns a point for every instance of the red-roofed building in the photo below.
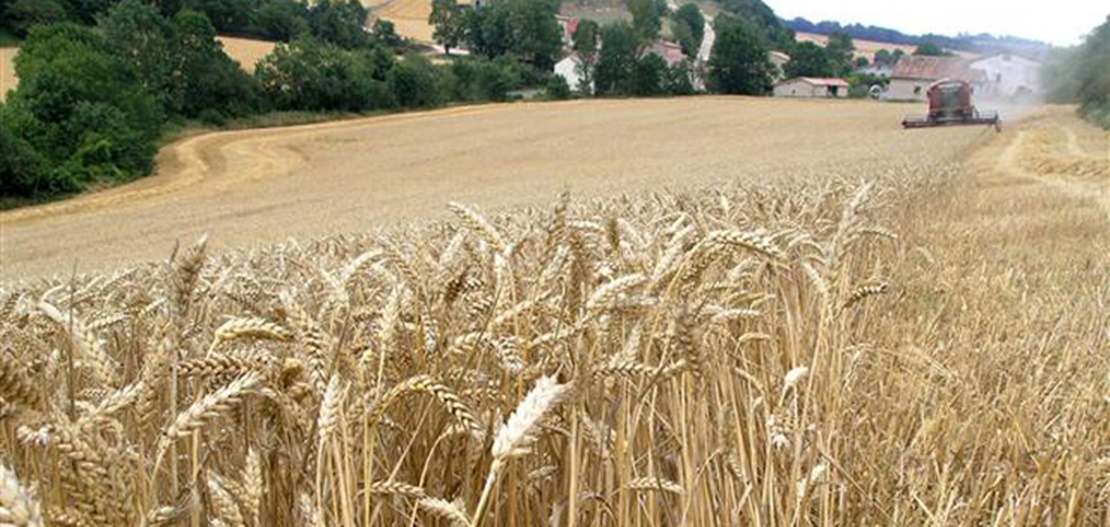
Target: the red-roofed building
pixel 811 87
pixel 569 25
pixel 670 51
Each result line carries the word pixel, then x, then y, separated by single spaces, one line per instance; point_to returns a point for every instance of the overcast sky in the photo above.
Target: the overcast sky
pixel 1058 22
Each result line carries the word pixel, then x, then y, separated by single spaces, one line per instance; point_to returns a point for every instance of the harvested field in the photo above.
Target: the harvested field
pixel 262 186
pixel 891 337
pixel 246 52
pixel 409 17
pixel 868 48
pixel 7 71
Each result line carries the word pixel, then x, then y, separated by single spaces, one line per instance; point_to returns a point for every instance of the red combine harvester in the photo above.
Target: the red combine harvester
pixel 950 104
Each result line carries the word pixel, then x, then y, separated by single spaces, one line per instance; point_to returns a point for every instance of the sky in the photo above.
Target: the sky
pixel 1058 22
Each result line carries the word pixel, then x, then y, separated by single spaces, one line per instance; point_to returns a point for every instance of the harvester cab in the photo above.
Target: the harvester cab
pixel 950 104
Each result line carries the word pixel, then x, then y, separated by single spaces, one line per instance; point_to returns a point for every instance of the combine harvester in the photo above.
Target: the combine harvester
pixel 950 104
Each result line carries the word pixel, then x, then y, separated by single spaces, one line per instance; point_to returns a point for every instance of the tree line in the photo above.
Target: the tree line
pixel 1081 74
pixel 94 99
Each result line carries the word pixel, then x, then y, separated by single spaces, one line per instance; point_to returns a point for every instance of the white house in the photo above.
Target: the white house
pixel 811 87
pixel 570 69
pixel 1008 75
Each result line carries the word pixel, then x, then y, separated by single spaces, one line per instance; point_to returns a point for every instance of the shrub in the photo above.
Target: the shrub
pixel 557 88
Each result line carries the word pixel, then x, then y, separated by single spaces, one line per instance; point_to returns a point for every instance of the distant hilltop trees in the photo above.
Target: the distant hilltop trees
pixel 982 43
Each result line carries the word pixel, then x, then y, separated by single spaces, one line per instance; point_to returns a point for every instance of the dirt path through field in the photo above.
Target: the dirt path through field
pixel 257 187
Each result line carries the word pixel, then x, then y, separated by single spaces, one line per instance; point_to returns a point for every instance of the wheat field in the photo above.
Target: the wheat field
pixel 409 17
pixel 259 187
pixel 916 341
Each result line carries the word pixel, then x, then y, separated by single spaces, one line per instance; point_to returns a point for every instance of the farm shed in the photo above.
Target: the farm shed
pixel 913 74
pixel 811 87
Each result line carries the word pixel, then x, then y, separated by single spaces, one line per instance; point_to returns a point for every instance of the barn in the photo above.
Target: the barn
pixel 811 87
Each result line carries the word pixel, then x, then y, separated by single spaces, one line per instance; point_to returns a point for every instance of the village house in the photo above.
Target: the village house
pixel 1008 75
pixel 568 25
pixel 779 60
pixel 670 51
pixel 811 87
pixel 570 70
pixel 913 74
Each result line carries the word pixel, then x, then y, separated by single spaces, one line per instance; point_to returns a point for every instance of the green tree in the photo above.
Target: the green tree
pixel 22 169
pixel 689 28
pixel 138 32
pixel 488 30
pixel 536 35
pixel 840 50
pixel 646 22
pixel 586 42
pixel 763 20
pixel 386 34
pixel 83 109
pixel 808 60
pixel 526 29
pixel 649 76
pixel 308 74
pixel 341 22
pixel 678 80
pixel 883 57
pixel 930 49
pixel 230 16
pixel 557 88
pixel 449 21
pixel 413 83
pixel 739 63
pixel 615 64
pixel 282 20
pixel 209 80
pixel 1093 75
pixel 20 15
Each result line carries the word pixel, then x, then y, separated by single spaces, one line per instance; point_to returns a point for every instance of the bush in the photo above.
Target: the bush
pixel 22 169
pixel 557 88
pixel 318 76
pixel 482 80
pixel 73 92
pixel 414 83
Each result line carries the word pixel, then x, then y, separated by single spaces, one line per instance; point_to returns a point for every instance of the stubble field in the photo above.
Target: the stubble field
pixel 7 71
pixel 745 312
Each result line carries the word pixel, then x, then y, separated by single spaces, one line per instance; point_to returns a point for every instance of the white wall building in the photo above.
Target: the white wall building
pixel 811 87
pixel 1008 75
pixel 569 68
